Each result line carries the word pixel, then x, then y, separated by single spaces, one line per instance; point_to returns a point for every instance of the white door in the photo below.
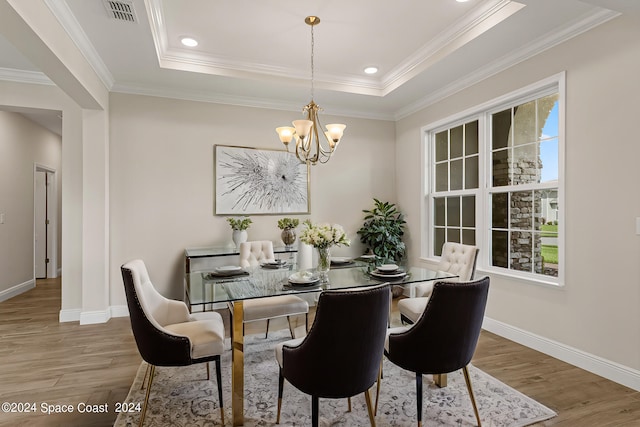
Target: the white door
pixel 40 220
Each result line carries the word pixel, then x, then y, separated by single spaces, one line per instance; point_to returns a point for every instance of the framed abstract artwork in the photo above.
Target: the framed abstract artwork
pixel 252 181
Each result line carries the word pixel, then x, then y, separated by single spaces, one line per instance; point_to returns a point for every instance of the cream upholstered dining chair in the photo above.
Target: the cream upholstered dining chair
pixel 252 254
pixel 457 259
pixel 166 333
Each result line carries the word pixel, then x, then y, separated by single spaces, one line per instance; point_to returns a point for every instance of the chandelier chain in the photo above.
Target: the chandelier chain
pixel 312 67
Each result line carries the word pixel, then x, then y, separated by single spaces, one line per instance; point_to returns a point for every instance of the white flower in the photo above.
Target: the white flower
pixel 324 235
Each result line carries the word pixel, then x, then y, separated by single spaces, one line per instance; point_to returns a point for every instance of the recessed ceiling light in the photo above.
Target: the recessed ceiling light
pixel 189 42
pixel 462 1
pixel 371 70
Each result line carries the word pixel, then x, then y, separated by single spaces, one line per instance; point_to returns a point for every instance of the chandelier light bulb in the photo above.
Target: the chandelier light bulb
pixel 334 131
pixel 303 127
pixel 286 134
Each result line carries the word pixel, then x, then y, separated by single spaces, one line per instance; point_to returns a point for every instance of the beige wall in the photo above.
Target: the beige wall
pixel 598 311
pixel 162 180
pixel 23 143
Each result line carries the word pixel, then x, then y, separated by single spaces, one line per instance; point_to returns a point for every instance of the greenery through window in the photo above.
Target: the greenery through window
pixel 524 186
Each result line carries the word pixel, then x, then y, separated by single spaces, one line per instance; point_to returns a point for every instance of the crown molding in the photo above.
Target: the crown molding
pixel 70 24
pixel 465 30
pixel 24 76
pixel 521 54
pixel 240 101
pixel 175 59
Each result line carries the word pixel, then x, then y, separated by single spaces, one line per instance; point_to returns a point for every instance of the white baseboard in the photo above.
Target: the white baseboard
pixel 17 290
pixel 72 315
pixel 97 316
pixel 91 317
pixel 119 311
pixel 103 316
pixel 613 371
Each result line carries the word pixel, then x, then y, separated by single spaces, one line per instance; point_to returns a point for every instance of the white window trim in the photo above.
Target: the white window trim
pixel 554 83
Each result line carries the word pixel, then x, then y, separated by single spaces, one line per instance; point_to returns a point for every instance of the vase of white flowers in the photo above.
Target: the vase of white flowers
pixel 323 237
pixel 324 262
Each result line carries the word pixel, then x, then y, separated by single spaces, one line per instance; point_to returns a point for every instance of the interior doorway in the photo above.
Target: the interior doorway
pixel 45 223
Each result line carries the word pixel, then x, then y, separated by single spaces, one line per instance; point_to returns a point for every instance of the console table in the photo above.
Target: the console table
pixel 213 252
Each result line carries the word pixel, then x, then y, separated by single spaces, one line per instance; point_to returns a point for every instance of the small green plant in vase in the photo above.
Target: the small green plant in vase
pixel 239 227
pixel 239 223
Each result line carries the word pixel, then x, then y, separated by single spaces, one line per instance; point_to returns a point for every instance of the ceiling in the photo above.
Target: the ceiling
pixel 258 53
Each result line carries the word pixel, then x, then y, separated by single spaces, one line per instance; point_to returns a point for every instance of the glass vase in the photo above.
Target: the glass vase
pixel 324 263
pixel 288 236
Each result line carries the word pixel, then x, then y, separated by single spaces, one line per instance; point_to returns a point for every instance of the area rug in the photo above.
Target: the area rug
pixel 183 397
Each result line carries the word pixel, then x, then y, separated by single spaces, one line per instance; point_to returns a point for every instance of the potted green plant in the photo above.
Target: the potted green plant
pixel 382 231
pixel 239 227
pixel 288 225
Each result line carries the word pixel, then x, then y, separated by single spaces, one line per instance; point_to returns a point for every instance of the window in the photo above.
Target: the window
pixel 495 181
pixel 456 184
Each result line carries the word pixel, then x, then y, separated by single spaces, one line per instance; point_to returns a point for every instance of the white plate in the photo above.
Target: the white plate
pixel 304 282
pixel 340 260
pixel 303 279
pixel 388 267
pixel 388 276
pixel 228 269
pixel 367 256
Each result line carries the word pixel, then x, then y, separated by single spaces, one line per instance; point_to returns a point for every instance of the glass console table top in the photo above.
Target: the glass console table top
pixel 227 251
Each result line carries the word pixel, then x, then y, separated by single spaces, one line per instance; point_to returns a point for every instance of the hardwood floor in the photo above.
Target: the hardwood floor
pixel 44 361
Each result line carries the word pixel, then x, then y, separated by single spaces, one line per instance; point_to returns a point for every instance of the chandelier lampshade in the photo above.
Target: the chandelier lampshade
pixel 286 134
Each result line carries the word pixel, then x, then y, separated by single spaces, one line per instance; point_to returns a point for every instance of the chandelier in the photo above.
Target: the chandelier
pixel 309 148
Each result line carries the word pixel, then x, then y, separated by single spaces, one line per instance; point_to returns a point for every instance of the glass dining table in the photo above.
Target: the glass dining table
pixel 207 289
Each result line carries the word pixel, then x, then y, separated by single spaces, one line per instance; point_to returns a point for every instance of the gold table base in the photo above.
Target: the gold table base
pixel 440 380
pixel 237 362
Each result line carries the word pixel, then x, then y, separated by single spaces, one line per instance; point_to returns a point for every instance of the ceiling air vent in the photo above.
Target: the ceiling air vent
pixel 122 10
